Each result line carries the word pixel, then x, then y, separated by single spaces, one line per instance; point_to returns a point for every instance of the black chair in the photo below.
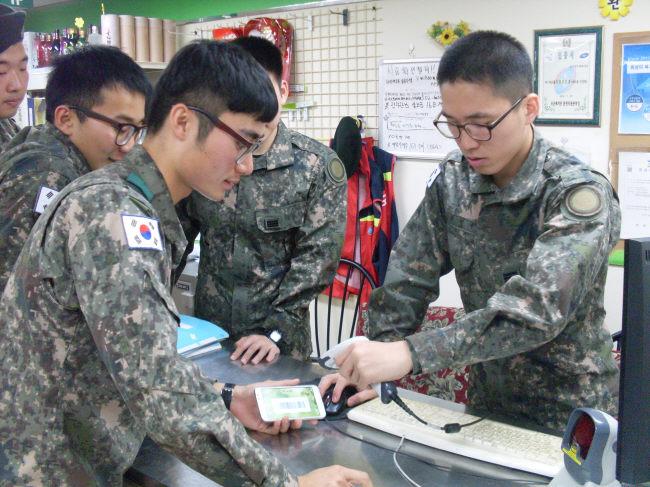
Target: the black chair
pixel 366 280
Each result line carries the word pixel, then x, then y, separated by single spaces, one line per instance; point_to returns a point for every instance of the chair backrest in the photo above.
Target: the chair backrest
pixel 333 313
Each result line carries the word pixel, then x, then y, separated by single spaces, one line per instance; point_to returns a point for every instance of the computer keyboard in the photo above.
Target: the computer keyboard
pixel 487 440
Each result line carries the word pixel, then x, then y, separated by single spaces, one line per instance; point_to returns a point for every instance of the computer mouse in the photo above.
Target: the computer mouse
pixel 337 408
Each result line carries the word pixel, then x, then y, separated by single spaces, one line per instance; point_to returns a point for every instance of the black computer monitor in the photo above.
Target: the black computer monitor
pixel 633 450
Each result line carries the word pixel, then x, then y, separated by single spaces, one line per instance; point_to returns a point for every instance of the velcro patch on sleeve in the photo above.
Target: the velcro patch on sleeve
pixel 142 232
pixel 336 171
pixel 45 197
pixel 584 201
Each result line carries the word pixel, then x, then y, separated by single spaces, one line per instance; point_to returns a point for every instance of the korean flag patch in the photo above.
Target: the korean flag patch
pixel 45 196
pixel 142 232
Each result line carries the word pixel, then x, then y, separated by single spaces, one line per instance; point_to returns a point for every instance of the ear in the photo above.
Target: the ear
pixel 531 107
pixel 183 122
pixel 284 92
pixel 65 119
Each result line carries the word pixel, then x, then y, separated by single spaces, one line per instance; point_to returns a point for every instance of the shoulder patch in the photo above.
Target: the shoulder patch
pixel 336 170
pixel 584 201
pixel 45 196
pixel 436 172
pixel 142 232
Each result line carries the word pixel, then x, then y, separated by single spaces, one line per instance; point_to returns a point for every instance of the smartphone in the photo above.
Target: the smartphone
pixel 293 402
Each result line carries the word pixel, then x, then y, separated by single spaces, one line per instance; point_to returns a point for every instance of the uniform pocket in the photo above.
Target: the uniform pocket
pixel 281 218
pixel 276 231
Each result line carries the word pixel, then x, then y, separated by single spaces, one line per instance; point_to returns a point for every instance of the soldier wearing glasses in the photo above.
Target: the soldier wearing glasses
pixel 527 228
pixel 88 361
pixel 95 114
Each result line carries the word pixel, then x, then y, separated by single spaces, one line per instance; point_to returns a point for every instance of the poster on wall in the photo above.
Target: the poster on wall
pixel 567 75
pixel 409 102
pixel 634 112
pixel 634 193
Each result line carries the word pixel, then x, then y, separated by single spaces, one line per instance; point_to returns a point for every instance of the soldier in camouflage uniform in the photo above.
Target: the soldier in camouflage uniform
pixel 13 71
pixel 275 241
pixel 91 121
pixel 88 361
pixel 528 229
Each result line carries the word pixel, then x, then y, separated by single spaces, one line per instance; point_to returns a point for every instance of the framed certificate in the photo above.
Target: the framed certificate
pixel 567 75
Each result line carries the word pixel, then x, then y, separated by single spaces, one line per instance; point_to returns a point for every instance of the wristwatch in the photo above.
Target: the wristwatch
pixel 226 394
pixel 275 336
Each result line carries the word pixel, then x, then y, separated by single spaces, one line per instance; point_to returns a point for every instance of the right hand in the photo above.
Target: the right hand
pixel 340 381
pixel 335 476
pixel 254 349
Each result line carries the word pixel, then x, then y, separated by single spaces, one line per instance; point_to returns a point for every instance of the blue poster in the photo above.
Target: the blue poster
pixel 634 113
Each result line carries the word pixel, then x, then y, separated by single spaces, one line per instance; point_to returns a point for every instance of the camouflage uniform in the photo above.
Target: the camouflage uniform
pixel 38 163
pixel 8 130
pixel 531 261
pixel 88 361
pixel 274 243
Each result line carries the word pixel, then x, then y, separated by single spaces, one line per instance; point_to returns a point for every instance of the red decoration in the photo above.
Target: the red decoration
pixel 277 31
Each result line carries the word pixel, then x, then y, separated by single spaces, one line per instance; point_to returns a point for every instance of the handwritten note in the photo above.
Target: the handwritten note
pixel 409 102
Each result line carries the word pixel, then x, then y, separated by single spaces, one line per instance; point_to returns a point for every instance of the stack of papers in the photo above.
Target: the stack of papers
pixel 197 337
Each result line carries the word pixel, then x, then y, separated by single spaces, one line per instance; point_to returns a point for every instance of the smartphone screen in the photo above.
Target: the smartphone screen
pixel 293 402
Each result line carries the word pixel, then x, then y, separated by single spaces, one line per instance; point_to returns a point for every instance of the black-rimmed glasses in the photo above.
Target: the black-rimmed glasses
pixel 477 131
pixel 247 146
pixel 125 131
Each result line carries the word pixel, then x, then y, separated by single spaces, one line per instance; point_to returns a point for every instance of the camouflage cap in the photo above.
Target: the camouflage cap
pixel 11 27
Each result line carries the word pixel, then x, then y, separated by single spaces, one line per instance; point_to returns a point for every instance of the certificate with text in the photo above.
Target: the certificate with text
pixel 568 77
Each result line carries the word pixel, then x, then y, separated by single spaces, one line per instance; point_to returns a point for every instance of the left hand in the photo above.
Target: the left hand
pixel 254 348
pixel 244 408
pixel 365 363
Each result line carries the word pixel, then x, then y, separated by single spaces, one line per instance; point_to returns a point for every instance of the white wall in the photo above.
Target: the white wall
pixel 404 31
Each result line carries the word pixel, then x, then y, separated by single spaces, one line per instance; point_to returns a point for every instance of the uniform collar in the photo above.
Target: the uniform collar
pixel 523 184
pixel 63 147
pixel 279 154
pixel 149 181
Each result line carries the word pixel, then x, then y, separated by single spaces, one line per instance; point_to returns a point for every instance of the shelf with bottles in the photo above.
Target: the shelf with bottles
pixel 38 76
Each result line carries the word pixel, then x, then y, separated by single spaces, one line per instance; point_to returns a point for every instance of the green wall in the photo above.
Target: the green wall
pixel 44 19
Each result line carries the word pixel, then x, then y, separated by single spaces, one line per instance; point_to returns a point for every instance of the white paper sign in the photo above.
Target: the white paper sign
pixel 634 193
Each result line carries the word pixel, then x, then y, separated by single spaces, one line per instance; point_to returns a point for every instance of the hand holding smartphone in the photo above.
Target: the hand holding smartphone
pixel 293 402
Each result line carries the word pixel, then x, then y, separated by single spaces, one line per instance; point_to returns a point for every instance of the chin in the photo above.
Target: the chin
pixel 216 196
pixel 8 113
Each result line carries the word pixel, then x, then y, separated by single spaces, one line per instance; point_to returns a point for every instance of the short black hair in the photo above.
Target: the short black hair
pixel 79 77
pixel 489 57
pixel 265 52
pixel 217 77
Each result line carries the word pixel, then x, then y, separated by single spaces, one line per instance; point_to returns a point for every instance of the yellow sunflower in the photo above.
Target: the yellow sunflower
pixel 447 37
pixel 614 9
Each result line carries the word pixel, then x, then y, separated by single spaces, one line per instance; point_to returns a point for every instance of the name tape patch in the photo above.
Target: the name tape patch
pixel 142 232
pixel 45 197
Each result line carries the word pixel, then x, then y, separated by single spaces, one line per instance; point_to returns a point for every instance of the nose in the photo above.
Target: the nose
pixel 465 142
pixel 245 166
pixel 15 82
pixel 128 146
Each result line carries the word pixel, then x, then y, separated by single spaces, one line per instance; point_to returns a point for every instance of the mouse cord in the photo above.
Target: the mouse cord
pixel 331 423
pixel 399 468
pixel 447 428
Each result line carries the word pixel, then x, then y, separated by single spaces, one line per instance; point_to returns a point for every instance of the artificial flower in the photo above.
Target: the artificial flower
pixel 614 9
